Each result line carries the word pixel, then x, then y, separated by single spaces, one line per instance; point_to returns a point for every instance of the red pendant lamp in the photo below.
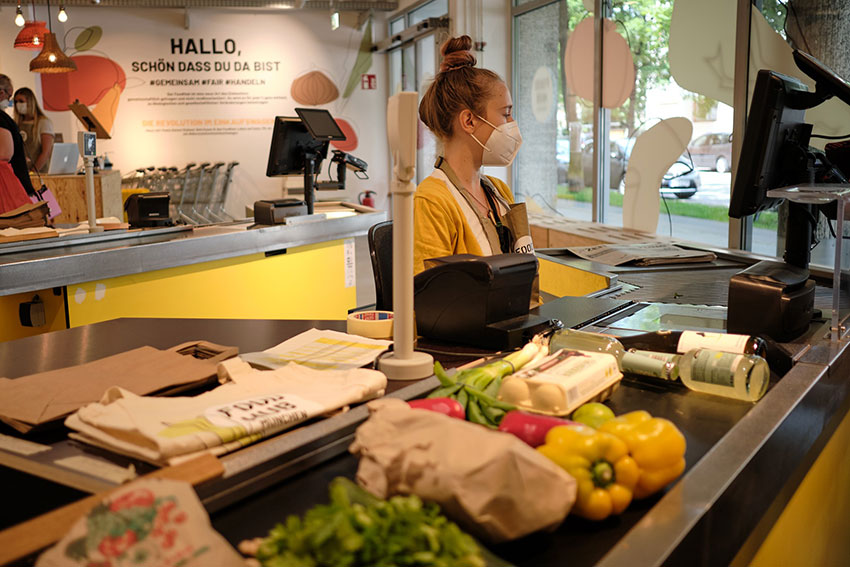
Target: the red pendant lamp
pixel 31 35
pixel 52 59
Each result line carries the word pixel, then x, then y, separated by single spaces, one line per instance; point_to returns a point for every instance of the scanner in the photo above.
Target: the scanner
pixel 771 298
pixel 276 211
pixel 481 301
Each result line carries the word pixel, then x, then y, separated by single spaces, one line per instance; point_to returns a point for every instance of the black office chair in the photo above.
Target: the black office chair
pixel 381 251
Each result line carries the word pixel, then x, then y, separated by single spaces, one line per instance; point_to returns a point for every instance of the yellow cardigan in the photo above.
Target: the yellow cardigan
pixel 439 226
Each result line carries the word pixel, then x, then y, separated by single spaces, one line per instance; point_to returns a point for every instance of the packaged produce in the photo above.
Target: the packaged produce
pixel 491 483
pixel 358 530
pixel 476 388
pixel 446 406
pixel 562 382
pixel 531 428
pixel 600 463
pixel 655 443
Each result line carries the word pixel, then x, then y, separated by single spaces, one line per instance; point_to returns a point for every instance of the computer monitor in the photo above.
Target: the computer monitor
pixel 291 144
pixel 321 124
pixel 775 138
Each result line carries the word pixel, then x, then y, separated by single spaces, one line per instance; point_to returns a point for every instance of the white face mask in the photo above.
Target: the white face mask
pixel 5 103
pixel 21 107
pixel 502 145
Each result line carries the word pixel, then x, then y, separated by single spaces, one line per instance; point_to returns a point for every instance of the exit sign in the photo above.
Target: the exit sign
pixel 368 82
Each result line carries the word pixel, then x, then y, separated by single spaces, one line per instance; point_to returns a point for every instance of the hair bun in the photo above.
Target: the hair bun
pixel 456 54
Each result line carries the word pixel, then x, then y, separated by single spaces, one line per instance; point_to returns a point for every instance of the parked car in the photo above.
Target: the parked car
pixel 681 180
pixel 712 151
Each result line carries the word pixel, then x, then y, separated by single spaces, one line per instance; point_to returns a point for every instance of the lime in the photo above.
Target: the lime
pixel 593 414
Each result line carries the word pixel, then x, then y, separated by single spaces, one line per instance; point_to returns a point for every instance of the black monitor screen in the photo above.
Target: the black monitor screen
pixel 320 123
pixel 773 141
pixel 290 142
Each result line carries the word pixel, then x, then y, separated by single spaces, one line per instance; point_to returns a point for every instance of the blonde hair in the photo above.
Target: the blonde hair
pixel 32 104
pixel 459 85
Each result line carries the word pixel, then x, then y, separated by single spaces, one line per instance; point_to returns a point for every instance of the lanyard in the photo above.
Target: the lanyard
pixel 498 235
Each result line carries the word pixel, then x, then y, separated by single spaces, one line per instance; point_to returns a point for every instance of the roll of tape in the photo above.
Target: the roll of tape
pixel 371 324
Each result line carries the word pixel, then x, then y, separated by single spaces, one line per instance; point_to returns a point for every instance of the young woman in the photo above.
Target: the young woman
pixel 36 129
pixel 456 209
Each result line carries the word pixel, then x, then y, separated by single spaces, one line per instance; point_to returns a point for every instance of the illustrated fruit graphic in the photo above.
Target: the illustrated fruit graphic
pixel 350 142
pixel 93 79
pixel 313 89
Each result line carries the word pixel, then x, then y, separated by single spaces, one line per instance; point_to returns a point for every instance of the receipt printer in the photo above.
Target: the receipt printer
pixel 148 209
pixel 276 211
pixel 771 298
pixel 477 300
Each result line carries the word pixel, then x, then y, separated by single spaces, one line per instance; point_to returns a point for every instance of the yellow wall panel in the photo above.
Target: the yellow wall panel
pixel 562 280
pixel 813 527
pixel 10 323
pixel 308 282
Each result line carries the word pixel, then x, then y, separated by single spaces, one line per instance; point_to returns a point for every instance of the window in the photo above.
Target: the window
pixel 413 65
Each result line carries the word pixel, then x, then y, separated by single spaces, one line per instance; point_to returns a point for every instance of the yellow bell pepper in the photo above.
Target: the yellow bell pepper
pixel 605 474
pixel 655 443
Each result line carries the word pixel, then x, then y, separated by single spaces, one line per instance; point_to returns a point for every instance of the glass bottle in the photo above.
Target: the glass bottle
pixel 740 376
pixel 571 339
pixel 659 365
pixel 684 341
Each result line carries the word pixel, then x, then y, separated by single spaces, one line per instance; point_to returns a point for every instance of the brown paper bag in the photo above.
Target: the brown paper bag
pixel 491 483
pixel 38 399
pixel 148 522
pixel 26 216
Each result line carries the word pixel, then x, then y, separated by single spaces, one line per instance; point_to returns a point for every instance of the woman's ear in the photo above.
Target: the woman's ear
pixel 466 121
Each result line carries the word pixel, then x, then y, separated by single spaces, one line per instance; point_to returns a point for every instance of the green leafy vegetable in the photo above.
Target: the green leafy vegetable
pixel 356 529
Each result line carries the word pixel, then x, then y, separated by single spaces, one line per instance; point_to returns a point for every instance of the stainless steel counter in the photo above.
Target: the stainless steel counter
pixel 32 266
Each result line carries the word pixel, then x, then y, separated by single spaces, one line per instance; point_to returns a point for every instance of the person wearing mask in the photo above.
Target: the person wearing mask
pixel 457 210
pixel 17 159
pixel 36 129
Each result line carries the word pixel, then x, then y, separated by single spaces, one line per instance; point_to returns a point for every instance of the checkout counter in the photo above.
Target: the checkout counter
pixel 293 271
pixel 751 468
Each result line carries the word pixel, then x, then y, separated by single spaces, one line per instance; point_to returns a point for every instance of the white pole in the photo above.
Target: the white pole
pixel 403 363
pixel 92 211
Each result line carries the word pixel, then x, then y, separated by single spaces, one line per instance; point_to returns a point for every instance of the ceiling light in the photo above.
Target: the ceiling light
pixel 31 36
pixel 52 59
pixel 19 17
pixel 63 15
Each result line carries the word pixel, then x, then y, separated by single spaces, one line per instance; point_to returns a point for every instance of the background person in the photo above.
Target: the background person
pixel 18 159
pixel 36 129
pixel 456 210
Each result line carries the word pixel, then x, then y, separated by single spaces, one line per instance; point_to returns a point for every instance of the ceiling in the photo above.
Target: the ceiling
pixel 340 5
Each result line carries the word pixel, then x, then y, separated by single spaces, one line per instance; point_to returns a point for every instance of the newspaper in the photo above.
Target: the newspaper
pixel 323 350
pixel 643 254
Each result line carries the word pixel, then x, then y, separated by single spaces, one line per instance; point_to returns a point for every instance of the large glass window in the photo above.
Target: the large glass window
pixel 413 66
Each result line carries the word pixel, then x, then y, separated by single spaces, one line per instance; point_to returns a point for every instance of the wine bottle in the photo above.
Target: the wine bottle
pixel 662 365
pixel 684 341
pixel 571 339
pixel 733 375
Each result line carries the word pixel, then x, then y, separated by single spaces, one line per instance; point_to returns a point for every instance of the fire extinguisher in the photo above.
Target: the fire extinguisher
pixel 367 198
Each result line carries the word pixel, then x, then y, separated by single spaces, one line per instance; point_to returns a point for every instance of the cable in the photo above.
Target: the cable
pixel 825 137
pixel 669 217
pixel 790 8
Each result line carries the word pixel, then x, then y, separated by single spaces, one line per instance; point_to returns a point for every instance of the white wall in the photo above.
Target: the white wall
pixel 169 124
